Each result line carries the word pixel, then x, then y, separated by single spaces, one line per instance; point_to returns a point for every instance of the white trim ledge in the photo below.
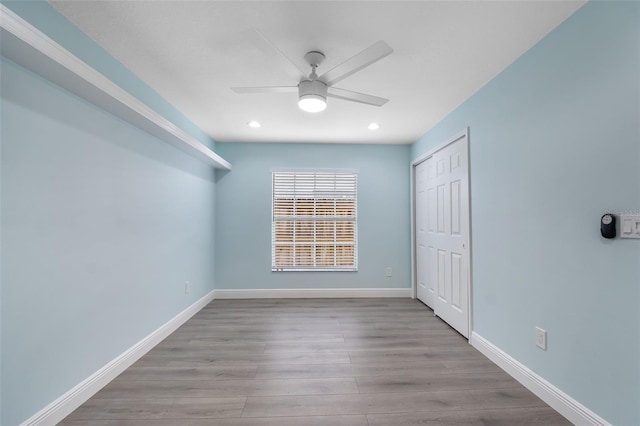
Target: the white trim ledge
pixel 29 47
pixel 75 397
pixel 561 402
pixel 312 293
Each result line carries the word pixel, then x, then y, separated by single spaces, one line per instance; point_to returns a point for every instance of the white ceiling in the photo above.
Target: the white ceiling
pixel 192 52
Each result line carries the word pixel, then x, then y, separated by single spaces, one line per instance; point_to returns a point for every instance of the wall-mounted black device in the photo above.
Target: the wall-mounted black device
pixel 608 226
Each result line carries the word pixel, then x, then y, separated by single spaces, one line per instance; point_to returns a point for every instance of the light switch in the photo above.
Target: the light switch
pixel 630 226
pixel 626 226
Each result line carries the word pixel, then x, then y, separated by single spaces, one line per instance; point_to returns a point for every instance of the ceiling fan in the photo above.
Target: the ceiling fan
pixel 312 89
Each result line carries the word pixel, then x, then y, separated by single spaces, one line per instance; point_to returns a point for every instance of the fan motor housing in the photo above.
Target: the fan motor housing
pixel 312 87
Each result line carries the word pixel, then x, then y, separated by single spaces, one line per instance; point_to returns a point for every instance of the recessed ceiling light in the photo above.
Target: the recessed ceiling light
pixel 254 124
pixel 373 126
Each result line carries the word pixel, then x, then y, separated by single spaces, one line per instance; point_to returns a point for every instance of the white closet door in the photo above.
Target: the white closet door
pixel 424 293
pixel 442 233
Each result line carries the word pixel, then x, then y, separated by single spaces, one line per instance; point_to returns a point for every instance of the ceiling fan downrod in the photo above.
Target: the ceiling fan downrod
pixel 314 58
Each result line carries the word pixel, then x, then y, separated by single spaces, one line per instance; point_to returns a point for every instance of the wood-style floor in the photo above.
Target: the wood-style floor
pixel 314 362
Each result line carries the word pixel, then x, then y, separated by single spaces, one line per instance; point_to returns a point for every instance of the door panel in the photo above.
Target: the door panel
pixel 455 208
pixel 431 209
pixel 422 267
pixel 456 280
pixel 433 275
pixel 442 276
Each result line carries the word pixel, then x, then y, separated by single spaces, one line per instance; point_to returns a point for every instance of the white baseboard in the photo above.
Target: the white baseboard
pixel 561 402
pixel 311 293
pixel 65 404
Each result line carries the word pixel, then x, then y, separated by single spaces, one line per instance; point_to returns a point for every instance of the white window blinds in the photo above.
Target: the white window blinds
pixel 314 221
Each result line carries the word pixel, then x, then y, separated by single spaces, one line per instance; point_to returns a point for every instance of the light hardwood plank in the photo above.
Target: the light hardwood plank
pixel 505 417
pixel 351 370
pixel 433 354
pixel 215 339
pixel 151 408
pixel 352 404
pixel 422 383
pixel 215 358
pixel 216 388
pixel 388 402
pixel 142 373
pixel 350 346
pixel 245 421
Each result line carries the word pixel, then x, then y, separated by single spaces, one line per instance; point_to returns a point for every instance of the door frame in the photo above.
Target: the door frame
pixel 469 253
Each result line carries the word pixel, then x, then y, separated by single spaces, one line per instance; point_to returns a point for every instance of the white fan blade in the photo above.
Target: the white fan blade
pixel 270 49
pixel 368 56
pixel 348 95
pixel 266 89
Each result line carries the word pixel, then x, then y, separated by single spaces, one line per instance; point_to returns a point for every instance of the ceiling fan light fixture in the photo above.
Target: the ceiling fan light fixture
pixel 312 103
pixel 312 96
pixel 373 126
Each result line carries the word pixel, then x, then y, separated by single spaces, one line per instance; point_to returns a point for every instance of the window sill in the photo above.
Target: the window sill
pixel 314 269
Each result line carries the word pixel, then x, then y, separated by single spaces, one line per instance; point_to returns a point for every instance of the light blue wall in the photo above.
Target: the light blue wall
pixel 101 225
pixel 243 215
pixel 555 141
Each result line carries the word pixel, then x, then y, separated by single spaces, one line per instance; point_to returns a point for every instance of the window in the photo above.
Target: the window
pixel 314 221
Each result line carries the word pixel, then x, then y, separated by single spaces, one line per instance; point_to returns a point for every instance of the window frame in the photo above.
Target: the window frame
pixel 313 219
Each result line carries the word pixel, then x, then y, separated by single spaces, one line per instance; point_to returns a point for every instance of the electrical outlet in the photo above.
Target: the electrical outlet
pixel 187 287
pixel 541 338
pixel 389 271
